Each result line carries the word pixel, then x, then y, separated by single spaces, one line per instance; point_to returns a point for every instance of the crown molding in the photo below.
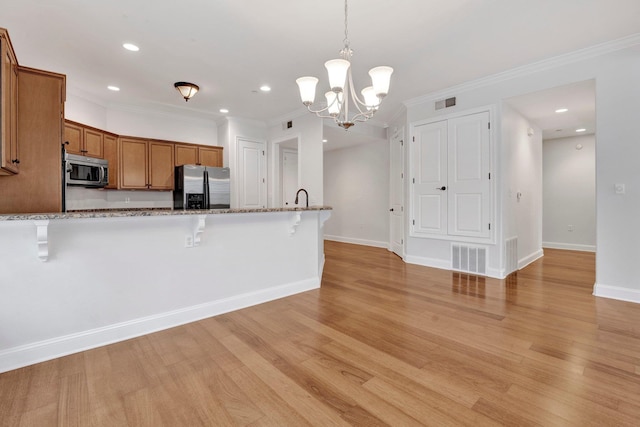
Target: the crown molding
pixel 535 67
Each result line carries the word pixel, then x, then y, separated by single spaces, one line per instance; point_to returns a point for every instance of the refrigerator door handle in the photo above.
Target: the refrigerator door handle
pixel 205 189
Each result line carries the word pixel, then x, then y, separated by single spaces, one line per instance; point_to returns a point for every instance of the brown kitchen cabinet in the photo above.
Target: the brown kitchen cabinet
pixel 110 147
pixel 38 186
pixel 210 156
pixel 145 164
pixel 190 154
pixel 9 156
pixel 83 140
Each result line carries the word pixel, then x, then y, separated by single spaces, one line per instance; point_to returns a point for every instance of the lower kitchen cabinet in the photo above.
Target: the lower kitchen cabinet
pixel 145 165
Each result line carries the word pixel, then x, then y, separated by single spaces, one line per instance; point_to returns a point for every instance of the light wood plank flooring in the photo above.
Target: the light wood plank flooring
pixel 381 343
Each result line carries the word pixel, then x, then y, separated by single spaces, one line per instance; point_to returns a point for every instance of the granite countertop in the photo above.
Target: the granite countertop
pixel 120 213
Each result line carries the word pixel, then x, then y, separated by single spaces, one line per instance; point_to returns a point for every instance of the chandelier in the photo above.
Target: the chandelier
pixel 342 88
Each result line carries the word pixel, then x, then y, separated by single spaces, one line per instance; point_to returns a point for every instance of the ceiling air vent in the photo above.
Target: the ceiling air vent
pixel 446 103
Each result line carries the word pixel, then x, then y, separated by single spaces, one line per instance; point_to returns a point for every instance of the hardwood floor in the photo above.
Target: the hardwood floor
pixel 381 343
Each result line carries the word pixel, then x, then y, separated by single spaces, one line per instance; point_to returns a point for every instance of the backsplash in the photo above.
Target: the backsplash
pixel 80 198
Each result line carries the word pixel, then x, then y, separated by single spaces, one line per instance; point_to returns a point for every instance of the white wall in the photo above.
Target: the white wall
pixel 356 186
pixel 617 98
pixel 308 129
pixel 522 157
pixel 569 188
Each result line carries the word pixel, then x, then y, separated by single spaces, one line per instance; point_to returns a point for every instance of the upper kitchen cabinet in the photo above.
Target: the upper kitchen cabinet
pixel 146 165
pixel 83 140
pixel 205 155
pixel 210 156
pixel 9 156
pixel 110 148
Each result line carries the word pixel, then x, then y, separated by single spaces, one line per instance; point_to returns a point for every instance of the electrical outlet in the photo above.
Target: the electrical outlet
pixel 188 241
pixel 127 199
pixel 570 227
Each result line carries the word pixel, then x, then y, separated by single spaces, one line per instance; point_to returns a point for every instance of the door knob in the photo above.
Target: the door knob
pixel 441 188
pixel 391 210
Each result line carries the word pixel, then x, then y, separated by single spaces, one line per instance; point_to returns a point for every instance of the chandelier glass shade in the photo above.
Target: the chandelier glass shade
pixel 343 91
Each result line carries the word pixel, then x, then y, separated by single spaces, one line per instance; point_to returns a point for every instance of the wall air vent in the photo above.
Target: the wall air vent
pixel 446 103
pixel 469 259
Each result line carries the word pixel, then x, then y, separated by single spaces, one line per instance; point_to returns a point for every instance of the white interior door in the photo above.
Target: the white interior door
pixel 396 214
pixel 252 174
pixel 289 176
pixel 469 184
pixel 429 179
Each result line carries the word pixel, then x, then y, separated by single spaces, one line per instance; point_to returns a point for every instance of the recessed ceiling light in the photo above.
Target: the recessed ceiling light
pixel 265 88
pixel 562 110
pixel 581 130
pixel 113 88
pixel 224 110
pixel 324 140
pixel 131 47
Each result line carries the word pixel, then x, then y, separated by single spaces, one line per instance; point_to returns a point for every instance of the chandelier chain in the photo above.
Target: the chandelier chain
pixel 346 30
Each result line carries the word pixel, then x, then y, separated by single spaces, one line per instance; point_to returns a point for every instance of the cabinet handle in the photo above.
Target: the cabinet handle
pixel 441 188
pixel 16 161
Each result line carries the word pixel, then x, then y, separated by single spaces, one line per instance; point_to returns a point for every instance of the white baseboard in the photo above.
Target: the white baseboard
pixel 29 354
pixel 616 292
pixel 428 262
pixel 523 262
pixel 355 241
pixel 569 246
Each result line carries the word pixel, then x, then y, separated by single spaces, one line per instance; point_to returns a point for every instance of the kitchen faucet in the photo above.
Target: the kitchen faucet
pixel 305 192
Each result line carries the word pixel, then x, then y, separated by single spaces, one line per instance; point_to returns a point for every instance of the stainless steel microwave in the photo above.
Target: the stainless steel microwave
pixel 86 171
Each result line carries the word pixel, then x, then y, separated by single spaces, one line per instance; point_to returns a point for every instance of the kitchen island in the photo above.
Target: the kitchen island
pixel 78 280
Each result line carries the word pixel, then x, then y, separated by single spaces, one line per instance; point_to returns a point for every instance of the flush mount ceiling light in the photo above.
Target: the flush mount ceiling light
pixel 562 110
pixel 342 87
pixel 187 90
pixel 130 46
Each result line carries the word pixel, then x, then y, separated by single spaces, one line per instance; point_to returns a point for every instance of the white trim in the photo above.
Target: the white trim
pixel 29 354
pixel 428 262
pixel 616 292
pixel 569 246
pixel 356 241
pixel 545 64
pixel 523 262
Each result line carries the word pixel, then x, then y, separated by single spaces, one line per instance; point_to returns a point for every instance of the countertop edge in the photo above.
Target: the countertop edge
pixel 147 212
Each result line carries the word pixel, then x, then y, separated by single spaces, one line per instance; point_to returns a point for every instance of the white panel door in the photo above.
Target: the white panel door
pixel 469 187
pixel 429 180
pixel 252 172
pixel 396 190
pixel 289 176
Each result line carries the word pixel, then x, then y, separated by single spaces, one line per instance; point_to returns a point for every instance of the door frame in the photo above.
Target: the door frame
pixel 400 134
pixel 275 189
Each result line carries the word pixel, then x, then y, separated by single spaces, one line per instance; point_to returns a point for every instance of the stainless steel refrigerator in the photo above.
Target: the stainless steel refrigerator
pixel 201 187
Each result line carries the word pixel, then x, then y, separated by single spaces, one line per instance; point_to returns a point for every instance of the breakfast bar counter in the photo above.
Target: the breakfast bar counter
pixel 78 280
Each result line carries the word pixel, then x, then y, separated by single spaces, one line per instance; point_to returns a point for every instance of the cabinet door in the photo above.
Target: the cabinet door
pixel 210 156
pixel 186 155
pixel 73 134
pixel 110 150
pixel 133 164
pixel 93 143
pixel 161 166
pixel 9 159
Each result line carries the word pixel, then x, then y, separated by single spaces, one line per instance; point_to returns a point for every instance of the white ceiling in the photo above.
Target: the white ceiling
pixel 230 48
pixel 540 107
